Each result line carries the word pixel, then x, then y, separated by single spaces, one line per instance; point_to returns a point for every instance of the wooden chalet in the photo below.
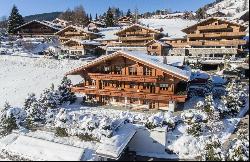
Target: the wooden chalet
pixel 74 32
pixel 158 48
pixel 137 35
pixel 176 42
pixel 125 20
pixel 36 29
pixel 215 32
pixel 217 14
pixel 133 79
pixel 79 48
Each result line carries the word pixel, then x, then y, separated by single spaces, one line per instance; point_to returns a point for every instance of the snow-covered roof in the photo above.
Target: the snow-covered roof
pixel 157 41
pixel 84 42
pixel 199 75
pixel 77 28
pixel 40 22
pixel 175 60
pixel 140 26
pixel 114 146
pixel 152 61
pixel 37 149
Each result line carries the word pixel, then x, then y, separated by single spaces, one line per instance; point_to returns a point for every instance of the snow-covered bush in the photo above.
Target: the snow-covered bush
pixel 35 114
pixel 31 98
pixel 213 150
pixel 194 116
pixel 239 148
pixel 49 99
pixel 61 132
pixel 62 122
pixel 10 119
pixel 65 92
pixel 195 129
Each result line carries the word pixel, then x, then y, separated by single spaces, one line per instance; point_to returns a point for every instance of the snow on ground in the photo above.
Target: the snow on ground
pixel 228 6
pixel 171 26
pixel 22 75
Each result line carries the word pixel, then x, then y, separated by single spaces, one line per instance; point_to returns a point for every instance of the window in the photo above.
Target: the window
pixel 164 87
pixel 154 47
pixel 93 82
pixel 132 71
pixel 107 69
pixel 146 86
pixel 118 69
pixel 132 85
pixel 147 71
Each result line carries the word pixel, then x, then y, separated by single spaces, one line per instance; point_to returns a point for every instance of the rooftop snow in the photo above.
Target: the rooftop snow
pixel 113 147
pixel 109 33
pixel 37 149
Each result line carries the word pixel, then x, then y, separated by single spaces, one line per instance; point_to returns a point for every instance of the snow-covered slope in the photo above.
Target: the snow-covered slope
pixel 172 27
pixel 231 7
pixel 22 75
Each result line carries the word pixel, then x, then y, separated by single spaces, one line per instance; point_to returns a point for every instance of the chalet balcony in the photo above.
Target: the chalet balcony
pixel 131 78
pixel 195 43
pixel 224 34
pixel 217 43
pixel 122 93
pixel 72 33
pixel 136 33
pixel 136 38
pixel 213 27
pixel 195 35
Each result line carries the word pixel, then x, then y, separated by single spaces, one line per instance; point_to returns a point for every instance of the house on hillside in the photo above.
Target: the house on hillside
pixel 77 48
pixel 210 41
pixel 133 79
pixel 158 48
pixel 134 38
pixel 125 21
pixel 37 29
pixel 75 32
pixel 217 14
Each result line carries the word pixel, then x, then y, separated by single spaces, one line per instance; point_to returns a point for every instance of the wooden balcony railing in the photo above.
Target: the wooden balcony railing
pixel 195 35
pixel 213 27
pixel 217 43
pixel 122 93
pixel 131 78
pixel 135 38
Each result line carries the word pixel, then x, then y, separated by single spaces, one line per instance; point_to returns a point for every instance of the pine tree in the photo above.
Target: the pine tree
pixel 201 13
pixel 96 17
pixel 15 20
pixel 213 150
pixel 129 13
pixel 29 100
pixel 65 91
pixel 109 20
pixel 7 124
pixel 47 100
pixel 90 17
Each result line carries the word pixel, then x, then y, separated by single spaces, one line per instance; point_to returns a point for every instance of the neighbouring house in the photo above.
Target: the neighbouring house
pixel 125 21
pixel 76 47
pixel 37 29
pixel 133 79
pixel 210 41
pixel 158 48
pixel 217 14
pixel 133 38
pixel 75 32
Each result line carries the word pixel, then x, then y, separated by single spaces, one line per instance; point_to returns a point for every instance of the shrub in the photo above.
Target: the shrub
pixel 87 137
pixel 194 129
pixel 61 132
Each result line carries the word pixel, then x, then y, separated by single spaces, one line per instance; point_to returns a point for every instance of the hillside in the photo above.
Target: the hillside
pixel 44 16
pixel 229 7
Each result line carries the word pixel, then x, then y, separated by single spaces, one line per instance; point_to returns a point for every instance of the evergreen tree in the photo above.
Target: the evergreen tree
pixel 7 124
pixel 15 20
pixel 129 13
pixel 65 91
pixel 96 17
pixel 201 13
pixel 29 100
pixel 213 150
pixel 35 114
pixel 109 20
pixel 48 100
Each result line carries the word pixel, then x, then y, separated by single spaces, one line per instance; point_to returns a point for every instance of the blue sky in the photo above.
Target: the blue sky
pixel 29 7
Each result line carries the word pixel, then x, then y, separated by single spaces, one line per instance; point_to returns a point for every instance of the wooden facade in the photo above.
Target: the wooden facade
pixel 36 29
pixel 73 32
pixel 125 20
pixel 137 35
pixel 121 79
pixel 158 48
pixel 211 33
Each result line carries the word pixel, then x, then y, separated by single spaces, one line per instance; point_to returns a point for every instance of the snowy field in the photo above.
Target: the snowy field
pixel 171 26
pixel 22 75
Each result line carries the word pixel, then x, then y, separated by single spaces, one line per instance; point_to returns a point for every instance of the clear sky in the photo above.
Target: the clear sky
pixel 29 7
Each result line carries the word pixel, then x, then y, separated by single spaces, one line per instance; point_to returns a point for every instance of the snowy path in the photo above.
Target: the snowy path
pixel 22 75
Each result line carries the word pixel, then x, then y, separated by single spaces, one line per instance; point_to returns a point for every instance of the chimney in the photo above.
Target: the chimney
pixel 165 61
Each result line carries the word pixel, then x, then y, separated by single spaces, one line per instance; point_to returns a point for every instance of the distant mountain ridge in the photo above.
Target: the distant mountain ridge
pixel 44 16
